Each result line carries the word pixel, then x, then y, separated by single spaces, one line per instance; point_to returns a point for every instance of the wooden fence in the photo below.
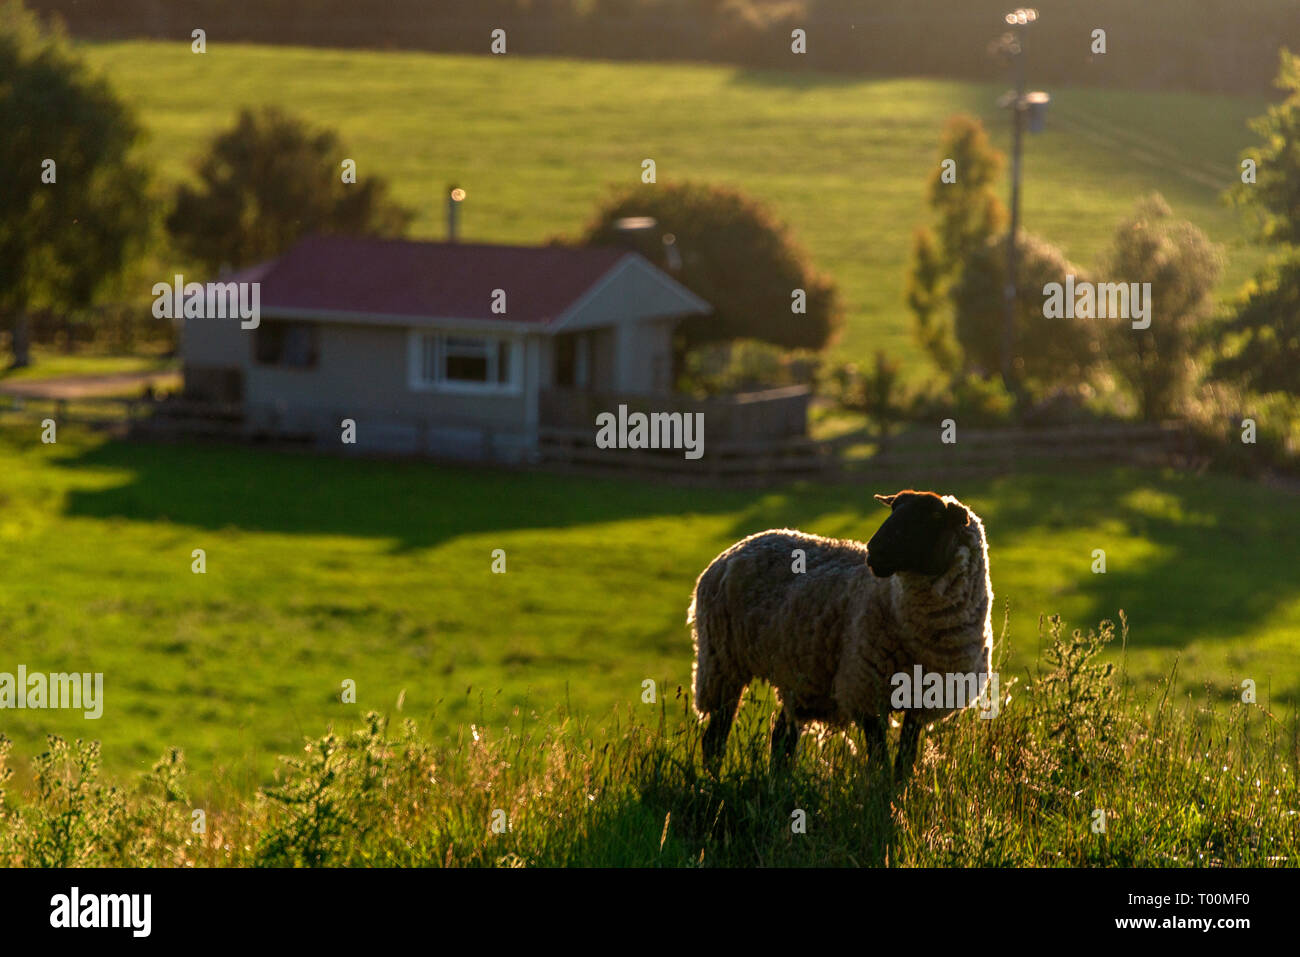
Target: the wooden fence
pixel 136 416
pixel 745 435
pixel 745 457
pixel 990 451
pixel 917 456
pixel 747 417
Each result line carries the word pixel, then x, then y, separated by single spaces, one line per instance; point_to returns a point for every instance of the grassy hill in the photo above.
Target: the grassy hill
pixel 321 570
pixel 536 142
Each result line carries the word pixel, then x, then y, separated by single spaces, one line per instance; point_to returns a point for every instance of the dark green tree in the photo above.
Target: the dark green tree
pixel 733 253
pixel 968 215
pixel 1266 328
pixel 268 181
pixel 75 209
pixel 1275 194
pixel 1264 332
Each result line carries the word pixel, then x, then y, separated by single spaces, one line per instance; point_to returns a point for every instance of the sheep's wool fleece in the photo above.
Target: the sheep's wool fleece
pixel 831 638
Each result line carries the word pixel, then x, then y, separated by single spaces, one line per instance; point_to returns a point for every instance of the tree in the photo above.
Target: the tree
pixel 1266 323
pixel 1275 194
pixel 268 181
pixel 1267 326
pixel 1047 352
pixel 75 210
pixel 736 256
pixel 955 285
pixel 1159 362
pixel 969 215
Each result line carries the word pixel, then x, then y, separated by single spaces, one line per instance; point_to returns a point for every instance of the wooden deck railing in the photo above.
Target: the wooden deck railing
pixel 750 417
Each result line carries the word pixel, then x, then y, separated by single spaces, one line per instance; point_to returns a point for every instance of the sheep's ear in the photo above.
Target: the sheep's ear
pixel 958 515
pixel 886 500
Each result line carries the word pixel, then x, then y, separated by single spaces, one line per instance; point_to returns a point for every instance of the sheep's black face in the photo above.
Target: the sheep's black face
pixel 920 535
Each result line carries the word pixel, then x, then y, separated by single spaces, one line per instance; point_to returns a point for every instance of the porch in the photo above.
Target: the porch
pixel 748 432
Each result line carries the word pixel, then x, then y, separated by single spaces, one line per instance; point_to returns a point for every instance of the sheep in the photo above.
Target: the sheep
pixel 832 639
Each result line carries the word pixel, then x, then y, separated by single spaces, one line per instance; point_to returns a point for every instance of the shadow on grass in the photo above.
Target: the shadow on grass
pixel 416 504
pixel 1218 553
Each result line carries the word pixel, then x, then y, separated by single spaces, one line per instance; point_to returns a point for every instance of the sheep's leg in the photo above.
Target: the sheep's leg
pixel 908 738
pixel 873 729
pixel 715 735
pixel 785 738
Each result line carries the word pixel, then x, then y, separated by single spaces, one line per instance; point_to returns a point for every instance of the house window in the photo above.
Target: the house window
pixel 291 345
pixel 453 363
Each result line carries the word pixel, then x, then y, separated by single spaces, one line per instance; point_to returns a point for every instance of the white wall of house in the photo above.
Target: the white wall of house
pixel 366 373
pixel 373 374
pixel 643 354
pixel 214 343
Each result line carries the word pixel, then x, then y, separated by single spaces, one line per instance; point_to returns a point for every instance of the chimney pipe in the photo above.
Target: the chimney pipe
pixel 455 196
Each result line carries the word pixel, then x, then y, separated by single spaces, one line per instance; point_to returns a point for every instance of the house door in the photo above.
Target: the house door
pixel 573 360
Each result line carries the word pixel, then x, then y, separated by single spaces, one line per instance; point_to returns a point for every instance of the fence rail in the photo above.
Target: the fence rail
pixel 740 454
pixel 789 458
pixel 744 417
pixel 131 416
pixel 996 450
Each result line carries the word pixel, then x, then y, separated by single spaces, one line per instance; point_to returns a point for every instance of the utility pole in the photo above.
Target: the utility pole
pixel 1027 110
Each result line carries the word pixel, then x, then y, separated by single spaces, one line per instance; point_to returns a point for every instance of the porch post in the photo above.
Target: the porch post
pixel 625 371
pixel 532 386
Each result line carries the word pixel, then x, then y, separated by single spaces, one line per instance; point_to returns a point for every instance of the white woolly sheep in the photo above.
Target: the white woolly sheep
pixel 830 639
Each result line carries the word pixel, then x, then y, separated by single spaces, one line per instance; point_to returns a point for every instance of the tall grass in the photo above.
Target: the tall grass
pixel 1071 772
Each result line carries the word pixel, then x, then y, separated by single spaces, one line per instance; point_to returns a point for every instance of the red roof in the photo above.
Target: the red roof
pixel 400 277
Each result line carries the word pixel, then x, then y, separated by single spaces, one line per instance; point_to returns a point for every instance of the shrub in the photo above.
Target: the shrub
pixel 1218 414
pixel 1158 363
pixel 876 392
pixel 745 365
pixel 1046 352
pixel 970 399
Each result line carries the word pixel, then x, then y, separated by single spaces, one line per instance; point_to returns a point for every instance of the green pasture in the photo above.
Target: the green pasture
pixel 321 570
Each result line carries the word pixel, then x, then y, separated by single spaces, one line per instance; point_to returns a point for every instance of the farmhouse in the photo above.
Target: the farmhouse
pixel 451 349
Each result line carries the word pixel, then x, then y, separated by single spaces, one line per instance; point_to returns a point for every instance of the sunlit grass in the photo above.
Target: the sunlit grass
pixel 1073 771
pixel 322 569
